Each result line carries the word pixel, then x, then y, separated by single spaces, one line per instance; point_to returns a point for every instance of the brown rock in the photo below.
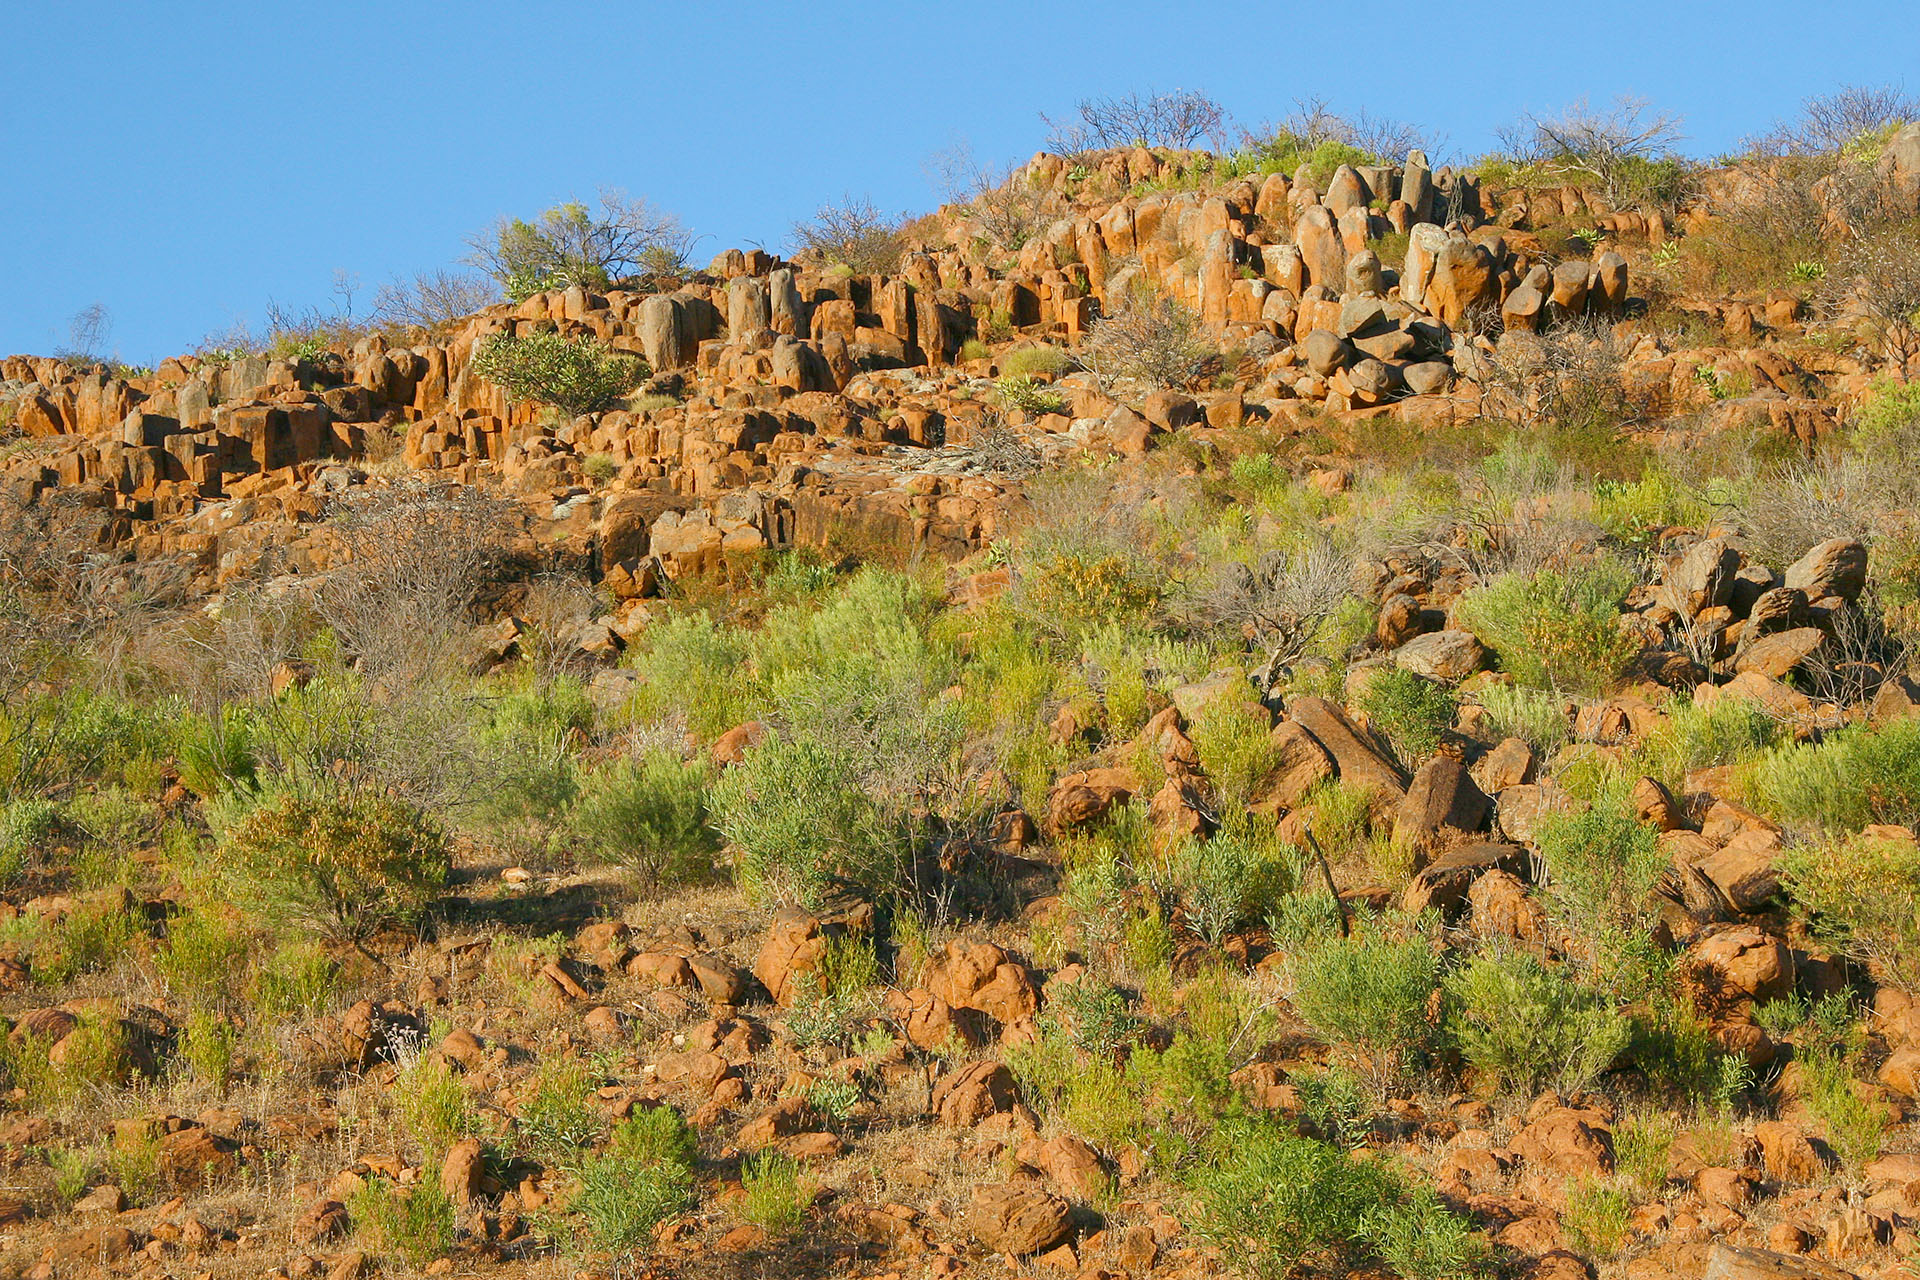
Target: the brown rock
pixel 1080 799
pixel 463 1170
pixel 1357 760
pixel 1441 798
pixel 1789 1154
pixel 1738 966
pixel 1836 567
pixel 1567 1141
pixel 1735 1262
pixel 963 1098
pixel 1018 1220
pixel 1502 908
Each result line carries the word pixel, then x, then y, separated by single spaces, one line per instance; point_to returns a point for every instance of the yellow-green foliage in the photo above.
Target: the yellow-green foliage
pixel 1863 894
pixel 1555 630
pixel 347 864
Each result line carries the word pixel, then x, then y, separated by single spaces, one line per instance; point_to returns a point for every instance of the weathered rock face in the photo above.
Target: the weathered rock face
pixel 1018 1220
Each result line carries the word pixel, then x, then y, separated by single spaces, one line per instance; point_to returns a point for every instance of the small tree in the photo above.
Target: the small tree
pixel 1180 118
pixel 573 244
pixel 1152 338
pixel 432 299
pixel 853 234
pixel 1879 281
pixel 575 375
pixel 347 865
pixel 1830 123
pixel 1614 147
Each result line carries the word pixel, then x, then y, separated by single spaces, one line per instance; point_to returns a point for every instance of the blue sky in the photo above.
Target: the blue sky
pixel 184 163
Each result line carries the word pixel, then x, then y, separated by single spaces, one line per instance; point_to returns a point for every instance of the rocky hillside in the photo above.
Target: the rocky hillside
pixel 1202 721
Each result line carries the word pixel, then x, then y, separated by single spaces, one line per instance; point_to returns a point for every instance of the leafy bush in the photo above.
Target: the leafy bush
pixel 557 1118
pixel 1368 995
pixel 1855 1126
pixel 1843 783
pixel 644 1177
pixel 801 823
pixel 1028 395
pixel 209 1043
pixel 416 1224
pixel 1863 894
pixel 575 375
pixel 1410 710
pixel 204 956
pixel 691 666
pixel 1553 630
pixel 1231 737
pixel 1026 362
pixel 1535 716
pixel 433 1103
pixel 777 1196
pixel 650 816
pixel 1073 593
pixel 348 865
pixel 1528 1026
pixel 1420 1238
pixel 1597 1218
pixel 571 244
pixel 26 826
pixel 1602 866
pixel 1229 880
pixel 1279 1201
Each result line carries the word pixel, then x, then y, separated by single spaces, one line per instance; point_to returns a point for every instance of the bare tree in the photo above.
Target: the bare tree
pixel 1879 281
pixel 1313 121
pixel 1830 123
pixel 1181 118
pixel 1604 145
pixel 854 234
pixel 432 299
pixel 1280 602
pixel 1152 338
pixel 1008 207
pixel 87 334
pixel 572 244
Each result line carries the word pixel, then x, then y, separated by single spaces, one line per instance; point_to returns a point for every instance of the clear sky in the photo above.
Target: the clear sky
pixel 183 163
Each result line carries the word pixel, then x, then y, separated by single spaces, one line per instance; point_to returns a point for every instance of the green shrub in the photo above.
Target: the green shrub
pixel 575 375
pixel 1411 711
pixel 204 956
pixel 1229 880
pixel 801 823
pixel 1602 866
pixel 416 1224
pixel 557 1118
pixel 1557 631
pixel 1028 395
pixel 1337 1103
pixel 210 1043
pixel 1420 1238
pixel 1642 1146
pixel 347 865
pixel 1277 1201
pixel 433 1103
pixel 1026 362
pixel 1843 783
pixel 26 828
pixel 1368 996
pixel 1862 894
pixel 644 1177
pixel 1856 1128
pixel 1598 1217
pixel 691 666
pixel 295 978
pixel 1536 716
pixel 91 937
pixel 777 1196
pixel 648 815
pixel 1231 737
pixel 1530 1027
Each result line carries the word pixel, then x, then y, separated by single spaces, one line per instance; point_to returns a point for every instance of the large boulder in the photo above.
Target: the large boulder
pixel 1017 1219
pixel 1836 567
